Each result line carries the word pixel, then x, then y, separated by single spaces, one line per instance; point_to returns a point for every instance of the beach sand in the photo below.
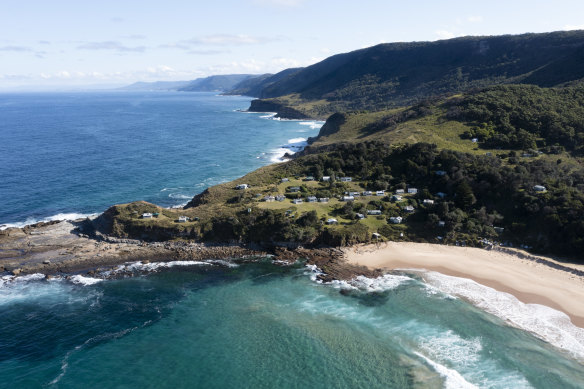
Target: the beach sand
pixel 529 281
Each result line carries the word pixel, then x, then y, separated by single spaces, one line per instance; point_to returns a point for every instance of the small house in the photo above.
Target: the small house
pixel 326 178
pixel 367 193
pixel 360 216
pixel 409 208
pixel 147 215
pixel 395 219
pixel 412 190
pixel 269 199
pixel 285 180
pixel 331 221
pixel 539 188
pixel 440 173
pixel 348 198
pixel 297 201
pixel 428 201
pixel 441 223
pixel 373 212
pixel 242 186
pixel 346 179
pixel 309 178
pixel 399 191
pixel 396 198
pixel 183 219
pixel 380 193
pixel 294 189
pixel 323 200
pixel 280 198
pixel 311 199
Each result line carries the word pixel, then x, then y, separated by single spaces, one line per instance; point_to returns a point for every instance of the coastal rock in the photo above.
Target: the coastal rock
pixel 16 271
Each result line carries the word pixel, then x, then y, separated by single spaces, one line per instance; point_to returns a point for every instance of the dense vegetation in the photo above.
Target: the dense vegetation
pixel 524 117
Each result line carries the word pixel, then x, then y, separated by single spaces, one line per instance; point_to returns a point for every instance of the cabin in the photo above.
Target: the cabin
pixel 280 198
pixel 331 221
pixel 396 198
pixel 294 189
pixel 326 178
pixel 346 179
pixel 183 219
pixel 348 198
pixel 380 193
pixel 285 180
pixel 360 216
pixel 409 208
pixel 373 212
pixel 399 191
pixel 147 215
pixel 323 200
pixel 367 193
pixel 309 178
pixel 311 199
pixel 539 188
pixel 395 219
pixel 412 190
pixel 440 173
pixel 297 201
pixel 269 199
pixel 428 201
pixel 242 186
pixel 441 223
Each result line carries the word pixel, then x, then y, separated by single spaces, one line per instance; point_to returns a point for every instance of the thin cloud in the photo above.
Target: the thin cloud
pixel 15 48
pixel 111 45
pixel 444 34
pixel 279 3
pixel 207 52
pixel 569 27
pixel 475 19
pixel 229 39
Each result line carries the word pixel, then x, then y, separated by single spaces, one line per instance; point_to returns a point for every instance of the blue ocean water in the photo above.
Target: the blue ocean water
pixel 64 154
pixel 222 325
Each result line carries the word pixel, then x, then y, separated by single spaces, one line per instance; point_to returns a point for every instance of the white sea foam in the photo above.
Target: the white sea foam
pixel 294 145
pixel 180 196
pixel 59 216
pixel 153 266
pixel 452 378
pixel 546 323
pixel 313 125
pixel 222 262
pixel 82 280
pixel 365 284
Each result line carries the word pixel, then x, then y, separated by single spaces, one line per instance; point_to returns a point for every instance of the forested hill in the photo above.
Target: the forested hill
pixel 399 74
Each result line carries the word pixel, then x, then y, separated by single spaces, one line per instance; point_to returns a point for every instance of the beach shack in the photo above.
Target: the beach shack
pixel 309 178
pixel 326 178
pixel 409 208
pixel 348 198
pixel 396 198
pixel 367 193
pixel 360 216
pixel 280 197
pixel 395 219
pixel 441 223
pixel 284 179
pixel 373 212
pixel 297 201
pixel 399 191
pixel 412 190
pixel 269 199
pixel 323 200
pixel 346 179
pixel 183 219
pixel 428 201
pixel 331 221
pixel 294 189
pixel 147 215
pixel 539 188
pixel 311 199
pixel 380 193
pixel 242 186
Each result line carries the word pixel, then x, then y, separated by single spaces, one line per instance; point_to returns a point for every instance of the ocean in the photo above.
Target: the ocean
pixel 229 324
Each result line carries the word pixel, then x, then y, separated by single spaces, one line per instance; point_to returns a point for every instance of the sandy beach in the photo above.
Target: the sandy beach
pixel 526 279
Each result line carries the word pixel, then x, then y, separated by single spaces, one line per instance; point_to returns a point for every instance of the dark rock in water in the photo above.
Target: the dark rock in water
pixel 46 262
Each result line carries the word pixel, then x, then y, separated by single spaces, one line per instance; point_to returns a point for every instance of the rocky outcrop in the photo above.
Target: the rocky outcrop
pixel 282 111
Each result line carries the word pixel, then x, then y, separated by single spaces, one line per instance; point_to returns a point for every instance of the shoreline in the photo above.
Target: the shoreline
pixel 531 279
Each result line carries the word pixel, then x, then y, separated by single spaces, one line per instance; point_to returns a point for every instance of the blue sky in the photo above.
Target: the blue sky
pixel 71 43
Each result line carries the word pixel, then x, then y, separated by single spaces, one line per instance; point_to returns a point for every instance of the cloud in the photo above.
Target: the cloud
pixel 443 34
pixel 229 39
pixel 111 45
pixel 569 27
pixel 207 52
pixel 135 36
pixel 19 49
pixel 475 19
pixel 44 42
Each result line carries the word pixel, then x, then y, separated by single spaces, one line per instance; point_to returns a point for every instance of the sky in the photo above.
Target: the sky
pixel 80 43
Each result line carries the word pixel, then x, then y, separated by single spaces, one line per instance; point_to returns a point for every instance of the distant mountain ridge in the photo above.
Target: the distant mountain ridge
pixel 155 86
pixel 399 74
pixel 220 83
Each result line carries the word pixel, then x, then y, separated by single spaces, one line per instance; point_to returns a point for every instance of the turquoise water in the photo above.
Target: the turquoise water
pixel 68 154
pixel 263 326
pixel 210 325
